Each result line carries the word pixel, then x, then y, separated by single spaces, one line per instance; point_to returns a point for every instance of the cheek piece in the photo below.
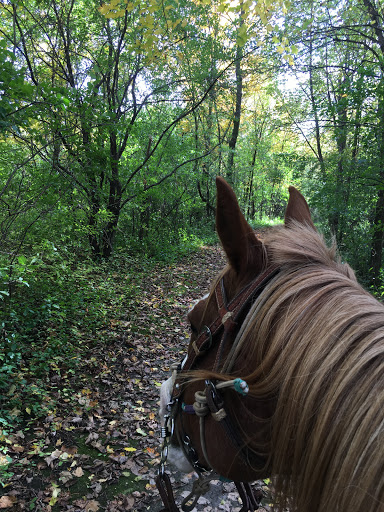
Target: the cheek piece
pixel 176 455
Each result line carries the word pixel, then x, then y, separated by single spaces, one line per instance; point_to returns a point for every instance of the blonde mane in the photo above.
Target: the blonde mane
pixel 315 338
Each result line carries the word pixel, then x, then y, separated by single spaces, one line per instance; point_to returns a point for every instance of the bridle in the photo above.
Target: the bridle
pixel 230 316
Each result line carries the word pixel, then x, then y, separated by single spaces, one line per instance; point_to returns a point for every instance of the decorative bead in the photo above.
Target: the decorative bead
pixel 241 386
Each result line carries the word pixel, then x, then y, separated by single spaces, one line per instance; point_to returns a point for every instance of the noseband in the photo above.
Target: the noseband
pixel 230 316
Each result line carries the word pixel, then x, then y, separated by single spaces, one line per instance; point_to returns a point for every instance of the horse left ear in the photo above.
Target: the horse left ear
pixel 298 209
pixel 243 249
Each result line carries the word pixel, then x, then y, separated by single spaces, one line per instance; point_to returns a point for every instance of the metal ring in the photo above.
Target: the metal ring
pixel 209 334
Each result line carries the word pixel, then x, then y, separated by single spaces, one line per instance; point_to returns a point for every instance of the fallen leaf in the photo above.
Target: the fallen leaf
pixel 55 493
pixel 65 476
pixel 92 506
pixel 7 501
pixel 129 502
pixel 70 450
pixel 4 460
pixel 78 472
pixel 17 448
pixel 53 456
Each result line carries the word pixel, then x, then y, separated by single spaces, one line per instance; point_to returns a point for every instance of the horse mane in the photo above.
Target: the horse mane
pixel 313 343
pixel 316 341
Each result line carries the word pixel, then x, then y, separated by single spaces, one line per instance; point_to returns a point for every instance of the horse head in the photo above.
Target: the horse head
pixel 284 368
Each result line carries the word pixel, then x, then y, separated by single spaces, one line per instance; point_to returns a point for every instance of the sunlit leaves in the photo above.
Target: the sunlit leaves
pixel 157 25
pixel 154 21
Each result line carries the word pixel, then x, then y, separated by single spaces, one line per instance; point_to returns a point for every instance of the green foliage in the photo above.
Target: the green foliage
pixel 40 326
pixel 55 306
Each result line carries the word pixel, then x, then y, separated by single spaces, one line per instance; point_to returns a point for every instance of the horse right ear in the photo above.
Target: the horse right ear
pixel 297 209
pixel 243 249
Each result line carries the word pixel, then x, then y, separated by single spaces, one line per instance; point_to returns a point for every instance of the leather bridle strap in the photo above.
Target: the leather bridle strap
pixel 227 318
pixel 163 484
pixel 216 407
pixel 250 502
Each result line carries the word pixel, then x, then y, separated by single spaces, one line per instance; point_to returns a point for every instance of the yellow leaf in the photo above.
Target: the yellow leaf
pixel 104 9
pixel 55 493
pixel 3 460
pixel 242 30
pixel 28 410
pixel 130 449
pixel 263 18
pixel 184 23
pixel 280 49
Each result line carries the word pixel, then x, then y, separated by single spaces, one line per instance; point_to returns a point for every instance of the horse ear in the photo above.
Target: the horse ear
pixel 297 209
pixel 243 249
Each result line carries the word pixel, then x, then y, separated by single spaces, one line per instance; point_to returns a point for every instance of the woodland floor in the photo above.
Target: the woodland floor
pixel 103 452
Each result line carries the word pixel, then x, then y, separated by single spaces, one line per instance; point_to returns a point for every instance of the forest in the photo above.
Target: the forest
pixel 115 119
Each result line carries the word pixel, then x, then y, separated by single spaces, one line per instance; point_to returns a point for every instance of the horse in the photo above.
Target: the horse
pixel 284 374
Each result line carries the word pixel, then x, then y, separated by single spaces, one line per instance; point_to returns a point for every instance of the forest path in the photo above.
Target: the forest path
pixel 103 452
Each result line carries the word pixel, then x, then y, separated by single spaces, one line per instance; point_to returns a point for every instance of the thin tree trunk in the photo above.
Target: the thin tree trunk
pixel 237 113
pixel 319 154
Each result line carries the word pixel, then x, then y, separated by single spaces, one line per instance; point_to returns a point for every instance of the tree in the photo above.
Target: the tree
pixel 341 56
pixel 94 88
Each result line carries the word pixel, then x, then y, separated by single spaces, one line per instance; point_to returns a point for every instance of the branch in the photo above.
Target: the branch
pixel 174 170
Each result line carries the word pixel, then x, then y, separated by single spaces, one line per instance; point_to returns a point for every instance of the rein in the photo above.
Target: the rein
pixel 210 400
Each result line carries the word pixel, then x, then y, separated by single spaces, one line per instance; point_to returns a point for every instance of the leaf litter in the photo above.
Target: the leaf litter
pixel 99 449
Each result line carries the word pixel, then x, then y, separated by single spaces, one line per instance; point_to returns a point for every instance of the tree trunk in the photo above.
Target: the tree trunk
pixel 237 114
pixel 114 200
pixel 319 153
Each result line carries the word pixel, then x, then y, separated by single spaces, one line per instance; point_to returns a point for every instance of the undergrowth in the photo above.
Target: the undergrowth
pixel 53 306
